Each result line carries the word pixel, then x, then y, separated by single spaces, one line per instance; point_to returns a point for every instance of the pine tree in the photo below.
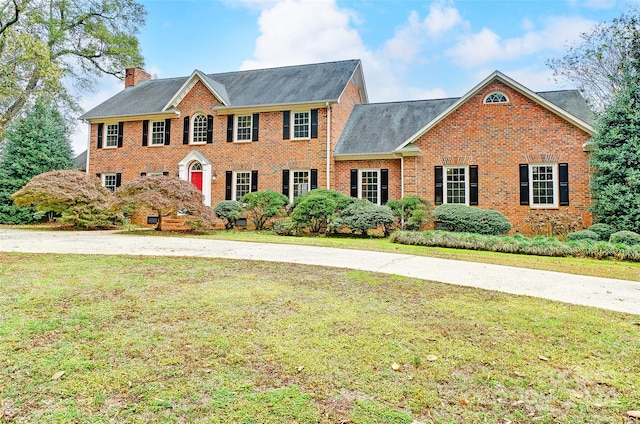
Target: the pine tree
pixel 34 144
pixel 615 182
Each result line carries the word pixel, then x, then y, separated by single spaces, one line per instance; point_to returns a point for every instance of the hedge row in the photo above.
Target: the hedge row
pixel 541 246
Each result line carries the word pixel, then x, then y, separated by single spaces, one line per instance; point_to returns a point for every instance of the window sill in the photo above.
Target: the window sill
pixel 155 145
pixel 242 141
pixel 110 147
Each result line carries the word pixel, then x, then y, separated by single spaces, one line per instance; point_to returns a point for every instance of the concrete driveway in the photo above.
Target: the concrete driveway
pixel 606 293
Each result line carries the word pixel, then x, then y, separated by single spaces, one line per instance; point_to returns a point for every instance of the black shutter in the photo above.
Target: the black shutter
pixel 185 130
pixel 563 170
pixel 209 129
pixel 229 128
pixel 100 131
pixel 314 123
pixel 145 132
pixel 524 184
pixel 286 121
pixel 255 122
pixel 354 183
pixel 118 179
pixel 228 185
pixel 254 181
pixel 165 173
pixel 120 133
pixel 143 174
pixel 314 179
pixel 439 187
pixel 384 186
pixel 473 185
pixel 167 132
pixel 285 182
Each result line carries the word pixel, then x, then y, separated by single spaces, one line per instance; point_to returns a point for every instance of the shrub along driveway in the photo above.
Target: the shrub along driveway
pixel 618 295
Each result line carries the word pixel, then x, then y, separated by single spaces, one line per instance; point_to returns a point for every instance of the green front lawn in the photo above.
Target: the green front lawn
pixel 225 341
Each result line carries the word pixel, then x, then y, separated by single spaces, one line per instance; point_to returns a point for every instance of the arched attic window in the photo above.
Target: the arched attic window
pixel 199 129
pixel 496 97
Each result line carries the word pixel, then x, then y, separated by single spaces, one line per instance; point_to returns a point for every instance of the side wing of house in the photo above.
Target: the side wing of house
pixel 500 147
pixel 229 134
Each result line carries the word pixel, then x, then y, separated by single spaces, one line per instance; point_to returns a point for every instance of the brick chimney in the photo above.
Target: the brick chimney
pixel 134 76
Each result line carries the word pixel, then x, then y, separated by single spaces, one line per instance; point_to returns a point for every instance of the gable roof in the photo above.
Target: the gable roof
pixel 289 85
pixel 388 128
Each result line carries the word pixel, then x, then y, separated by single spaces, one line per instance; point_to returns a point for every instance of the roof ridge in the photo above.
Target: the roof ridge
pixel 304 65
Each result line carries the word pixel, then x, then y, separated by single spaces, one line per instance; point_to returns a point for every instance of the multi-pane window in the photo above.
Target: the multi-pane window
pixel 301 124
pixel 300 183
pixel 456 185
pixel 496 97
pixel 199 129
pixel 109 181
pixel 157 133
pixel 370 185
pixel 543 185
pixel 242 184
pixel 111 139
pixel 243 128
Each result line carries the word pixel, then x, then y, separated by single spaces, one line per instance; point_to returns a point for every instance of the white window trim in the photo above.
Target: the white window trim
pixel 556 187
pixel 104 180
pixel 106 136
pixel 192 132
pixel 150 140
pixel 445 186
pixel 292 125
pixel 379 184
pixel 235 129
pixel 291 182
pixel 235 184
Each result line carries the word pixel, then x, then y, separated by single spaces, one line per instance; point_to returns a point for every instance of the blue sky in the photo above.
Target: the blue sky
pixel 409 49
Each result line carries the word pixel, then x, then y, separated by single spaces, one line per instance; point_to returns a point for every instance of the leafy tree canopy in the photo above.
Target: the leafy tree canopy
pixel 34 144
pixel 79 200
pixel 43 42
pixel 599 62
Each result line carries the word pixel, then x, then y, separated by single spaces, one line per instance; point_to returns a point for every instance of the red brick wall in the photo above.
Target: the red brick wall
pixel 269 156
pixel 343 174
pixel 497 138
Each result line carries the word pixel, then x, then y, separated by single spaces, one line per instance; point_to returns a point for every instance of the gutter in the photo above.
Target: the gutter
pixel 328 146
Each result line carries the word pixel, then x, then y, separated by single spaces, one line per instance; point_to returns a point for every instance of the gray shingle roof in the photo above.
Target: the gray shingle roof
pixel 380 128
pixel 319 82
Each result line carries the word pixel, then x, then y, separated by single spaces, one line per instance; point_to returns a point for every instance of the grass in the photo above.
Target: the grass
pixel 218 341
pixel 580 266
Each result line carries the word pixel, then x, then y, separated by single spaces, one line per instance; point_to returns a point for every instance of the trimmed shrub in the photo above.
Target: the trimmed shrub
pixel 314 212
pixel 262 205
pixel 604 231
pixel 229 211
pixel 625 237
pixel 583 235
pixel 341 200
pixel 460 218
pixel 362 215
pixel 410 212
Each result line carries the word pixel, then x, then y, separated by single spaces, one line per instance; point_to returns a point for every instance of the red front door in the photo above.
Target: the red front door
pixel 196 179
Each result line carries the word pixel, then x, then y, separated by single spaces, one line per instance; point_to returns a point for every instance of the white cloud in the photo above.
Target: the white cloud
pixel 410 38
pixel 486 46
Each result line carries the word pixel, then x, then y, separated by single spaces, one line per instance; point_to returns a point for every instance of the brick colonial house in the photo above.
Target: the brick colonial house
pixel 292 129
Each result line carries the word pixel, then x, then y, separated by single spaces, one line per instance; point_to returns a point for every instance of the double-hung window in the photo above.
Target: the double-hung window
pixel 301 125
pixel 243 128
pixel 456 185
pixel 199 129
pixel 370 185
pixel 111 139
pixel 544 185
pixel 157 133
pixel 300 183
pixel 110 181
pixel 242 184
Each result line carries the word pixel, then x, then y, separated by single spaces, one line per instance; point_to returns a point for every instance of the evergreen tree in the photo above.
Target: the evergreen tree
pixel 615 182
pixel 34 144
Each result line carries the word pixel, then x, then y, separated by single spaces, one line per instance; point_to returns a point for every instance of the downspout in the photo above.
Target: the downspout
pixel 88 147
pixel 328 146
pixel 401 177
